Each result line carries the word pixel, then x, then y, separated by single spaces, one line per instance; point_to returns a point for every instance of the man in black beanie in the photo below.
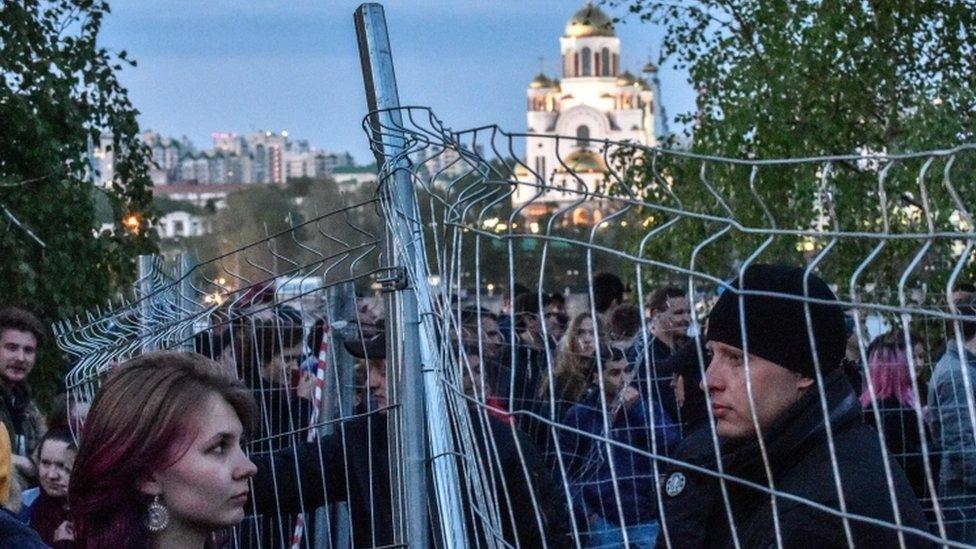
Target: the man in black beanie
pixel 762 381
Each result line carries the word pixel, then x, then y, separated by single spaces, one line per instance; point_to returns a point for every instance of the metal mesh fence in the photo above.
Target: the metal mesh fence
pixel 892 236
pixel 554 321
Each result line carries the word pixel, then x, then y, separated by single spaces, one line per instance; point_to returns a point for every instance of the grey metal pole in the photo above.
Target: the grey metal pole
pixel 406 418
pixel 143 289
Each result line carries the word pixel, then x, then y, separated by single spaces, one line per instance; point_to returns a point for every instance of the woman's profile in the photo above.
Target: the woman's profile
pixel 160 462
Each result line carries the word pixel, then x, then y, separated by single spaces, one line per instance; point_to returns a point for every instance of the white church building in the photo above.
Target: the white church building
pixel 593 101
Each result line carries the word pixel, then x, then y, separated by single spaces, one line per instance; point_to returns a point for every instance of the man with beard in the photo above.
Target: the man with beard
pixel 670 315
pixel 20 335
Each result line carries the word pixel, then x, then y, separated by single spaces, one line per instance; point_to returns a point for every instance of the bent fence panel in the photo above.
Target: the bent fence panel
pixel 555 437
pixel 891 235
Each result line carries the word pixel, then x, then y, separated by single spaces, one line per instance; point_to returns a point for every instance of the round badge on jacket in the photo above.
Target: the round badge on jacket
pixel 675 484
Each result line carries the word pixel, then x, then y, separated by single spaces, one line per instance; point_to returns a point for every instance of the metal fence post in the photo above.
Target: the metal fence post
pixel 420 415
pixel 144 285
pixel 408 432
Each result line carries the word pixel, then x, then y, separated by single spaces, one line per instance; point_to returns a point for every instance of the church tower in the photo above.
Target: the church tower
pixel 592 102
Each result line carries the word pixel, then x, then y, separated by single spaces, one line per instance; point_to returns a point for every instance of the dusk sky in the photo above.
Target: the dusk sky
pixel 244 65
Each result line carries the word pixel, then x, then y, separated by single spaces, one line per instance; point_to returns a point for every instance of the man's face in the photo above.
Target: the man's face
pixel 280 369
pixel 491 337
pixel 528 322
pixel 774 389
pixel 376 382
pixel 675 317
pixel 18 351
pixel 556 321
pixel 615 377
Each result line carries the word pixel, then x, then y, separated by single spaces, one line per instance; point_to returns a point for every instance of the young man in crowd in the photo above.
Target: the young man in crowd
pixel 556 318
pixel 20 335
pixel 764 384
pixel 952 426
pixel 614 489
pixel 353 465
pixel 670 315
pixel 481 328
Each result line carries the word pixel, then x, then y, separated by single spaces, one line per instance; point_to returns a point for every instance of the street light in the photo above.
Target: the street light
pixel 131 222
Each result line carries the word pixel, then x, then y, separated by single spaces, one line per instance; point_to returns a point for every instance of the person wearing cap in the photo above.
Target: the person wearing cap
pixel 762 384
pixel 614 492
pixel 353 465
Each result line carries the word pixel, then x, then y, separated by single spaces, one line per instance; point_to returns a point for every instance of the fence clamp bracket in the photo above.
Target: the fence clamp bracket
pixel 392 279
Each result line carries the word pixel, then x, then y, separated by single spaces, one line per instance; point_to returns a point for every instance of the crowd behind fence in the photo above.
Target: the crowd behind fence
pixel 544 455
pixel 568 332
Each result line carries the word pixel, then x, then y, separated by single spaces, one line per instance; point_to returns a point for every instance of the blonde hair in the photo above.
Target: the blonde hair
pixel 571 373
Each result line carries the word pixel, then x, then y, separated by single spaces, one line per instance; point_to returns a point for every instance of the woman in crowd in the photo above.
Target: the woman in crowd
pixel 160 462
pixel 46 507
pixel 888 373
pixel 568 380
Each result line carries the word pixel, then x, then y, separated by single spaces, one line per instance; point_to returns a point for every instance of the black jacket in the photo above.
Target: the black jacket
pixel 800 460
pixel 689 496
pixel 899 425
pixel 355 463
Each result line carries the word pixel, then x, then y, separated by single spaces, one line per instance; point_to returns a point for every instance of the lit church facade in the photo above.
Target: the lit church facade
pixel 592 101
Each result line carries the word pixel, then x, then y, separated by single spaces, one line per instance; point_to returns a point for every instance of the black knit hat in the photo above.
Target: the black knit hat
pixel 776 326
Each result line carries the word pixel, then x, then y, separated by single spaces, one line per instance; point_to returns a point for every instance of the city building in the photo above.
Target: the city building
pixel 262 157
pixel 595 100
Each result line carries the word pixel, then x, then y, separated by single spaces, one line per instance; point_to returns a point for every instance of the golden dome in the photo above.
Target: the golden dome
pixel 625 79
pixel 589 21
pixel 541 81
pixel 585 161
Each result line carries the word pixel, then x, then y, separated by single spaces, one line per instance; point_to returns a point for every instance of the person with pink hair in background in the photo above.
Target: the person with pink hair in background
pixel 899 409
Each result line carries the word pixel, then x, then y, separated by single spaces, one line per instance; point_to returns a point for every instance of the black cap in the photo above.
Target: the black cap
pixel 776 326
pixel 373 347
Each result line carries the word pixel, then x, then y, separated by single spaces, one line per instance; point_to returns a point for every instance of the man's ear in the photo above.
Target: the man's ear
pixel 150 486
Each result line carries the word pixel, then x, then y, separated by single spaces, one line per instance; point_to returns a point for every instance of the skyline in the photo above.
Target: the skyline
pixel 218 67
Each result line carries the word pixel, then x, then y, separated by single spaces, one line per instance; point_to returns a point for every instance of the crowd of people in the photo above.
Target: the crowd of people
pixel 760 417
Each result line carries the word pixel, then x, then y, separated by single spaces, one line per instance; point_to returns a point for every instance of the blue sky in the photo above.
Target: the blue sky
pixel 242 65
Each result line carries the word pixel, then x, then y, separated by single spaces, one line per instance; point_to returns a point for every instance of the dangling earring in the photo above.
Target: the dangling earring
pixel 157 516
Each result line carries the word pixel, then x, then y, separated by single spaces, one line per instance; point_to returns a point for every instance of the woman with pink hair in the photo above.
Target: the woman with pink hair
pixel 890 378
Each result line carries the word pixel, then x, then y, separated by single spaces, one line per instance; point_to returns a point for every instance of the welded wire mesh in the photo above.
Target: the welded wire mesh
pixel 278 314
pixel 515 251
pixel 539 432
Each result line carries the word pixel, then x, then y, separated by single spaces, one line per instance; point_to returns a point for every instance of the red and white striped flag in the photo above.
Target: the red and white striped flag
pixel 296 538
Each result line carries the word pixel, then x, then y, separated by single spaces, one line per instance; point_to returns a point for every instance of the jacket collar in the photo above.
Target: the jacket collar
pixel 952 349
